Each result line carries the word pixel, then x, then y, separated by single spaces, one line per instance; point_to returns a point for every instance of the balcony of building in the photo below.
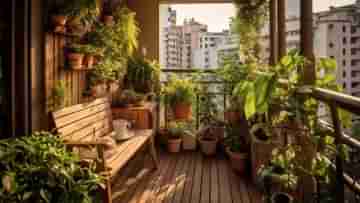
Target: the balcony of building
pixel 45 89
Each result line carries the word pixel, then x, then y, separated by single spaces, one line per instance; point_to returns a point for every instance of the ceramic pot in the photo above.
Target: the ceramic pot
pixel 174 145
pixel 208 146
pixel 75 60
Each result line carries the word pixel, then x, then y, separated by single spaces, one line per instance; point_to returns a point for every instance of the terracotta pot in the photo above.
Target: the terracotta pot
pixel 182 111
pixel 75 60
pixel 58 20
pixel 162 136
pixel 238 161
pixel 281 198
pixel 109 20
pixel 88 61
pixel 232 116
pixel 208 147
pixel 174 145
pixel 189 142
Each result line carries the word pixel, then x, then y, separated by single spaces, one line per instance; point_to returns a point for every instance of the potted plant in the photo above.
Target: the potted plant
pixel 179 94
pixel 129 98
pixel 83 15
pixel 59 13
pixel 234 112
pixel 142 75
pixel 108 17
pixel 90 52
pixel 208 141
pixel 237 149
pixel 75 56
pixel 176 131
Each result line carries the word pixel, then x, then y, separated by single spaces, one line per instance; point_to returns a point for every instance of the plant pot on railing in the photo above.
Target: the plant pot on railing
pixel 88 61
pixel 182 111
pixel 75 60
pixel 232 116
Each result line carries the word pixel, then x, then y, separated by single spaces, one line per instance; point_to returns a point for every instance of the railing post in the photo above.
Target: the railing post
pixel 340 189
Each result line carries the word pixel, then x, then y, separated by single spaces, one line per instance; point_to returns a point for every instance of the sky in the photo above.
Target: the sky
pixel 216 16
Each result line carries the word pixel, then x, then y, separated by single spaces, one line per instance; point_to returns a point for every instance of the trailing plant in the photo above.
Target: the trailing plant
pixel 57 97
pixel 178 91
pixel 38 168
pixel 142 75
pixel 250 19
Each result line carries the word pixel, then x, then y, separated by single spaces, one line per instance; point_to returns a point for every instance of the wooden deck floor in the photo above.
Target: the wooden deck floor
pixel 187 177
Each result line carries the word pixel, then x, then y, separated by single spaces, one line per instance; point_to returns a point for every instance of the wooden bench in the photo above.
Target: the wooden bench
pixel 83 125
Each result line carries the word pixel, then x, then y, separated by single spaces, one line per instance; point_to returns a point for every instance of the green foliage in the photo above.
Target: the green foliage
pixel 37 168
pixel 142 75
pixel 235 140
pixel 86 11
pixel 250 18
pixel 178 91
pixel 57 98
pixel 117 44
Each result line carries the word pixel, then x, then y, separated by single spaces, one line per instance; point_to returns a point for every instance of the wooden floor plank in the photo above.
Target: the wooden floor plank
pixel 154 181
pixel 225 194
pixel 234 180
pixel 244 192
pixel 196 190
pixel 165 184
pixel 189 179
pixel 174 179
pixel 214 182
pixel 255 195
pixel 181 179
pixel 206 181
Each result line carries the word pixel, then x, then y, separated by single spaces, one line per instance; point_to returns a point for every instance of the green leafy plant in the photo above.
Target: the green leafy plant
pixel 178 91
pixel 38 168
pixel 129 96
pixel 86 11
pixel 106 70
pixel 142 75
pixel 235 140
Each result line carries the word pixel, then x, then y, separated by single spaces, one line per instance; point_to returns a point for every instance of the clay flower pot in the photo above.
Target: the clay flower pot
pixel 88 61
pixel 182 111
pixel 109 20
pixel 208 146
pixel 59 22
pixel 238 161
pixel 174 145
pixel 75 60
pixel 189 142
pixel 281 198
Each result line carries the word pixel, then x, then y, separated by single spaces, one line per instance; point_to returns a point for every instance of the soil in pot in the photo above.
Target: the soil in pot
pixel 208 146
pixel 238 161
pixel 75 60
pixel 281 198
pixel 174 145
pixel 261 135
pixel 182 111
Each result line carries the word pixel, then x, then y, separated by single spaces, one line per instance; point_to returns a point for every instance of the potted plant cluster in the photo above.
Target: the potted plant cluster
pixel 38 168
pixel 179 94
pixel 129 98
pixel 237 149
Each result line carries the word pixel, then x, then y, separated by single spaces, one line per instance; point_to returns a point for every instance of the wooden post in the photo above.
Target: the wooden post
pixel 273 33
pixel 282 28
pixel 306 40
pixel 340 190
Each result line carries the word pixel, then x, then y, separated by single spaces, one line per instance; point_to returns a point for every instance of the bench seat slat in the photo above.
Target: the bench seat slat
pixel 79 107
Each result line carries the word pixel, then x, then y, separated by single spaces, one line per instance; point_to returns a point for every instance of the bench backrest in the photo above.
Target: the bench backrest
pixel 84 122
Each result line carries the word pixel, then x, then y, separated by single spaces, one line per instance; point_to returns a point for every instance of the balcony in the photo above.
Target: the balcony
pixel 88 104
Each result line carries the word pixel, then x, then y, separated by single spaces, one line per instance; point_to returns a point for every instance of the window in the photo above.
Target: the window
pixel 344 40
pixel 344 51
pixel 331 26
pixel 331 45
pixel 344 62
pixel 344 74
pixel 344 28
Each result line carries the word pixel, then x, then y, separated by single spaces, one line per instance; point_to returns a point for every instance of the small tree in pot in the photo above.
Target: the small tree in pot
pixel 179 94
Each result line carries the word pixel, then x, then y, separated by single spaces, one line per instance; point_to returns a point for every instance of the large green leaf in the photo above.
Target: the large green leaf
pixel 250 101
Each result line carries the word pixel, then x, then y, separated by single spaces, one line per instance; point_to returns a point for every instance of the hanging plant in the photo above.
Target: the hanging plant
pixel 250 19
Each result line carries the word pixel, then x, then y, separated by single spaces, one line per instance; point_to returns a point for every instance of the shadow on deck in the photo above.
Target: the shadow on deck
pixel 187 177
